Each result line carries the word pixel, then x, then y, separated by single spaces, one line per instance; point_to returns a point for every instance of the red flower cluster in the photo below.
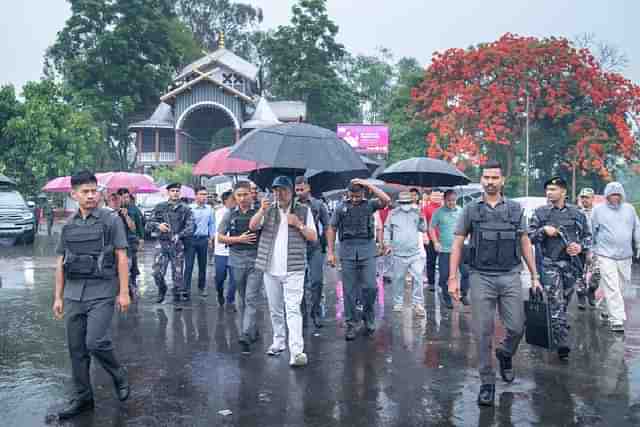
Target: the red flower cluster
pixel 477 96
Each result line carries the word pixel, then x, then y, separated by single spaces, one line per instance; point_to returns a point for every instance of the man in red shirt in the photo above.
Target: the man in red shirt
pixel 429 206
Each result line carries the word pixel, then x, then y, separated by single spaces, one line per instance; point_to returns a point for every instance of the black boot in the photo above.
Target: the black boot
pixel 487 395
pixel 76 407
pixel 506 367
pixel 162 293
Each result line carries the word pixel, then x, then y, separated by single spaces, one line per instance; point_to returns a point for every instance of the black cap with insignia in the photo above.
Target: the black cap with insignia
pixel 557 181
pixel 174 185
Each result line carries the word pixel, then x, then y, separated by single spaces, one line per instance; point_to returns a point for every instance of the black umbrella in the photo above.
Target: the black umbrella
pixel 298 146
pixel 321 181
pixel 391 189
pixel 371 164
pixel 5 180
pixel 263 178
pixel 423 172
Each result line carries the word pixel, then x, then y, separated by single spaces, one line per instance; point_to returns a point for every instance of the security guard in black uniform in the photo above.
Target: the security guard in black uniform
pixel 92 276
pixel 560 231
pixel 353 221
pixel 499 242
pixel 174 220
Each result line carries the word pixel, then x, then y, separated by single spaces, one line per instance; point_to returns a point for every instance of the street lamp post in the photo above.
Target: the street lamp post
pixel 526 167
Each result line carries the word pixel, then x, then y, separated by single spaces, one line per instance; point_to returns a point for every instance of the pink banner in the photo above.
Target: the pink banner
pixel 365 138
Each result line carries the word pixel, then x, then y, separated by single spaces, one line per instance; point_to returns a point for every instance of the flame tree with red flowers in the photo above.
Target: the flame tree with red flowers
pixel 474 101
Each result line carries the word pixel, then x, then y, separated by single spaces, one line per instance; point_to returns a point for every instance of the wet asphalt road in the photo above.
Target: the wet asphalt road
pixel 185 366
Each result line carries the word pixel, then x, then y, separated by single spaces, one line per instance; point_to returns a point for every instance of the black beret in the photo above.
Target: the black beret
pixel 174 185
pixel 556 180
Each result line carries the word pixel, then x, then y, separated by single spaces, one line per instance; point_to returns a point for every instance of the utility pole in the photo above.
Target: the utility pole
pixel 526 168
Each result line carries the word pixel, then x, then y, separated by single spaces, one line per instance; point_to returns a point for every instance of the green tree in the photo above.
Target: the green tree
pixel 118 57
pixel 181 173
pixel 373 77
pixel 407 133
pixel 208 18
pixel 303 62
pixel 49 137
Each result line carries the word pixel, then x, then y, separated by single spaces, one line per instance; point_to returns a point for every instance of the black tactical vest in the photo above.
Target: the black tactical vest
pixel 176 217
pixel 495 238
pixel 89 252
pixel 238 225
pixel 565 220
pixel 356 221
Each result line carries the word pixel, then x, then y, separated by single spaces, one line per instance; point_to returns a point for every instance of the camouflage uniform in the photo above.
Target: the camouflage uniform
pixel 561 274
pixel 170 248
pixel 591 267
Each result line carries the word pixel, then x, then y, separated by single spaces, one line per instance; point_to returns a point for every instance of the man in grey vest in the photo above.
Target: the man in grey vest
pixel 315 254
pixel 498 241
pixel 286 227
pixel 353 221
pixel 92 277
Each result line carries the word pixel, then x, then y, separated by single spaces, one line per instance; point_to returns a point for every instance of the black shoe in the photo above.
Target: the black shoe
pixel 122 387
pixel 465 300
pixel 162 293
pixel 186 297
pixel 487 395
pixel 582 303
pixel 220 298
pixel 245 347
pixel 591 297
pixel 446 302
pixel 76 407
pixel 350 335
pixel 506 368
pixel 563 353
pixel 369 330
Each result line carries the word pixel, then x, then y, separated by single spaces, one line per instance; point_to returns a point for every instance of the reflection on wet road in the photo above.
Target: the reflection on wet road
pixel 185 366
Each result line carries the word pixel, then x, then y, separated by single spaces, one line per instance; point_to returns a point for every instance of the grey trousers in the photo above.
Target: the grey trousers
pixel 247 282
pixel 88 325
pixel 313 284
pixel 503 291
pixel 358 282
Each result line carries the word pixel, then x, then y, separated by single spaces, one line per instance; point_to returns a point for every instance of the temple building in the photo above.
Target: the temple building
pixel 210 104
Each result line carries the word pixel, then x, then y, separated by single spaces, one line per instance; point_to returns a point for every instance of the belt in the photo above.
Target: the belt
pixel 201 237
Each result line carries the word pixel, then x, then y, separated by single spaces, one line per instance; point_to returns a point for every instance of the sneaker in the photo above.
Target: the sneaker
pixel 299 360
pixel 604 316
pixel 419 311
pixel 563 353
pixel 465 300
pixel 220 298
pixel 275 351
pixel 398 308
pixel 506 367
pixel 617 327
pixel 591 297
pixel 204 293
pixel 582 302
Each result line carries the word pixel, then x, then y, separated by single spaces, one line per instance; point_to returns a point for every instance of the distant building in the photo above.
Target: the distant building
pixel 207 106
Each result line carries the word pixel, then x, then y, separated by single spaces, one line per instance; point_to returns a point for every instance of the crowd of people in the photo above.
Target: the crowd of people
pixel 280 242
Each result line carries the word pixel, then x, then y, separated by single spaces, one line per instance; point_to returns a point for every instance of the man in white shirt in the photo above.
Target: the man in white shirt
pixel 221 253
pixel 285 229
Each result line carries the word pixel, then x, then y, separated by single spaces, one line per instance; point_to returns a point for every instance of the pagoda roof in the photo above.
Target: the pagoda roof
pixel 263 116
pixel 223 57
pixel 162 118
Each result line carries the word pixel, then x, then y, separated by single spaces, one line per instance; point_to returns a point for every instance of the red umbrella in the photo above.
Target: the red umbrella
pixel 218 163
pixel 112 181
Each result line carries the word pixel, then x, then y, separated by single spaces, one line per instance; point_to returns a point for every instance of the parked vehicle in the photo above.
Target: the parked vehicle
pixel 17 217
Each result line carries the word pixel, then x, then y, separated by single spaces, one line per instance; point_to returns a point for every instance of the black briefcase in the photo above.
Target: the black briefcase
pixel 538 321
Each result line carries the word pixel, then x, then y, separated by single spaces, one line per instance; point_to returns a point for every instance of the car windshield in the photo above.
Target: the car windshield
pixel 150 201
pixel 11 199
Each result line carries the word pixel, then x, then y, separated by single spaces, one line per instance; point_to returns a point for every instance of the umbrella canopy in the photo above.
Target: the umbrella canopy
pixel 218 163
pixel 298 146
pixel 112 181
pixel 6 181
pixel 186 192
pixel 423 172
pixel 391 189
pixel 321 181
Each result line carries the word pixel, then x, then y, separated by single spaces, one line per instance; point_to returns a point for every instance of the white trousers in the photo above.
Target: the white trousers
pixel 285 293
pixel 615 276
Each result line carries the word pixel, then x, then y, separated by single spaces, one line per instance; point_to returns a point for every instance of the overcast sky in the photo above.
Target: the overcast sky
pixel 408 27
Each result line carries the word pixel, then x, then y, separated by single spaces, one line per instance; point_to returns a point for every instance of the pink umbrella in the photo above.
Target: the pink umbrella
pixel 112 181
pixel 218 163
pixel 185 191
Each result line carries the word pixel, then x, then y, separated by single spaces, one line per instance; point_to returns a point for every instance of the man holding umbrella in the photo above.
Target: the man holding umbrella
pixel 286 227
pixel 353 221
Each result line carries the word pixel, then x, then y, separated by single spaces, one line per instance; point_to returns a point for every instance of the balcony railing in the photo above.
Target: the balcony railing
pixel 164 157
